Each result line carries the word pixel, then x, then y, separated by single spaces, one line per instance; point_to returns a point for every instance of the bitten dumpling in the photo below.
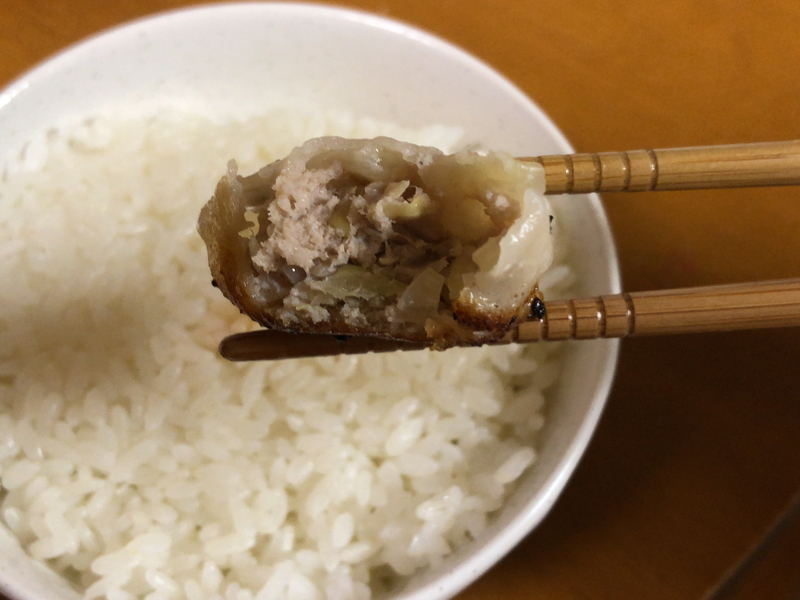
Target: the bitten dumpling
pixel 380 237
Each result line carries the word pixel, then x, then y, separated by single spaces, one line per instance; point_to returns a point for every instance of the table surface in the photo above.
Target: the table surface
pixel 688 487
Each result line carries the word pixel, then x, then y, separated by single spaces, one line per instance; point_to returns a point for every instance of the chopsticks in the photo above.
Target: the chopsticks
pixel 701 309
pixel 688 310
pixel 702 167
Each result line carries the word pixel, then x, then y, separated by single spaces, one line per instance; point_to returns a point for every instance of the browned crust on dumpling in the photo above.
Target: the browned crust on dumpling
pixel 220 221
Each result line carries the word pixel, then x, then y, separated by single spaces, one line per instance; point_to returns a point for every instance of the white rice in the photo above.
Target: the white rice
pixel 139 464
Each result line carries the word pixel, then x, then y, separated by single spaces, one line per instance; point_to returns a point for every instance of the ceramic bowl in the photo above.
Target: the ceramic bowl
pixel 241 59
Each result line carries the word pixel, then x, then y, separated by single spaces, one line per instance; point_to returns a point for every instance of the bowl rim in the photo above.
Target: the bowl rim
pixel 449 583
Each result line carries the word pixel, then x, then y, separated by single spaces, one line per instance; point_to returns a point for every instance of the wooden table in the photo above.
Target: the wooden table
pixel 698 453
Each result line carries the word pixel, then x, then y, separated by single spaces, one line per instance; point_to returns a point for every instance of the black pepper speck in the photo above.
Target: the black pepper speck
pixel 538 310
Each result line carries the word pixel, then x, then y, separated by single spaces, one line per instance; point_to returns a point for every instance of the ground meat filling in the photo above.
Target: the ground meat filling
pixel 380 237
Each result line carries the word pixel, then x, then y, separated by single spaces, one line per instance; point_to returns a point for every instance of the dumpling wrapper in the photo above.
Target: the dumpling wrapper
pixel 380 237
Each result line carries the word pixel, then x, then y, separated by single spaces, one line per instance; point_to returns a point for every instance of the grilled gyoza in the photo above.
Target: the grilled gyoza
pixel 380 237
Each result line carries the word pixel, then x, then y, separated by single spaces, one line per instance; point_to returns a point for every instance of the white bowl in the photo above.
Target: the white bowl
pixel 241 59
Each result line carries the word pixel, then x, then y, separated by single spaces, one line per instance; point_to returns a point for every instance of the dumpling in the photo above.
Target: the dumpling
pixel 380 237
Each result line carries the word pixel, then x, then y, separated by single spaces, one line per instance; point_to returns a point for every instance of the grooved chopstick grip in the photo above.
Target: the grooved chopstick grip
pixel 702 167
pixel 690 310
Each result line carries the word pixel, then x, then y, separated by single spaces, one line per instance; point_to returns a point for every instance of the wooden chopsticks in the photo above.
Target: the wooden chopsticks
pixel 689 310
pixel 703 167
pixel 702 309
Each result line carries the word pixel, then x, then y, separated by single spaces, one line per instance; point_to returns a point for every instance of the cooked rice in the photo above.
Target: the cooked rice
pixel 138 464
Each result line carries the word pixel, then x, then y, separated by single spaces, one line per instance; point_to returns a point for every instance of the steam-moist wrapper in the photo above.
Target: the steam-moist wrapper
pixel 381 237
